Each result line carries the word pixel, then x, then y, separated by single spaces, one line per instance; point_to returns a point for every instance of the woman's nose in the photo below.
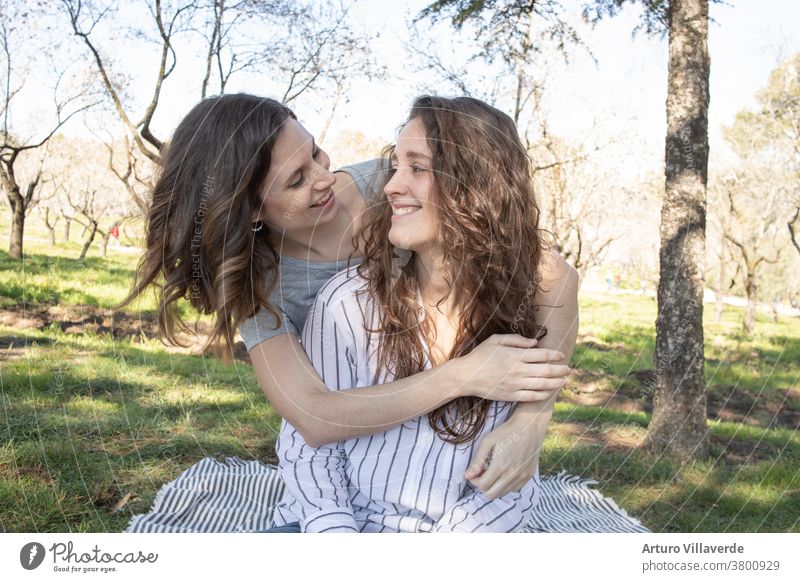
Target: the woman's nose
pixel 324 179
pixel 395 185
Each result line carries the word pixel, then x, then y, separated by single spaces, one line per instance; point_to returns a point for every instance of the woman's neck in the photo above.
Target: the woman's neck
pixel 444 318
pixel 433 287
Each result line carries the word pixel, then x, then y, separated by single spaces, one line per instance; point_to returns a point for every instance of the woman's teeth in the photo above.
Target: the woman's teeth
pixel 322 202
pixel 405 210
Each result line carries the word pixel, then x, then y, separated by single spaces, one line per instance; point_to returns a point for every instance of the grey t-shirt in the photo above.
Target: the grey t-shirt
pixel 300 280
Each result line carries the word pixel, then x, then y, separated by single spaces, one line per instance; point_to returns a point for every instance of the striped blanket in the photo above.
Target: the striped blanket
pixel 238 496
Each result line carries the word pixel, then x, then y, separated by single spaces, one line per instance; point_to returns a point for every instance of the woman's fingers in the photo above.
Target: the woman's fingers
pixel 546 371
pixel 513 340
pixel 539 395
pixel 492 476
pixel 505 485
pixel 541 355
pixel 480 460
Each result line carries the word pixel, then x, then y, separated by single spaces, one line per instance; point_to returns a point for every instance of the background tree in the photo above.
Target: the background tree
pixel 18 57
pixel 678 423
pixel 87 189
pixel 582 207
pixel 750 209
pixel 779 121
pixel 773 129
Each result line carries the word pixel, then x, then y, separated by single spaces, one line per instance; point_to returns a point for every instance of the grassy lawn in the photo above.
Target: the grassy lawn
pixel 90 420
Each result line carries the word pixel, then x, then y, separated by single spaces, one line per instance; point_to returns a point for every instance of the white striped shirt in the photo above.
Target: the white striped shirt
pixel 406 479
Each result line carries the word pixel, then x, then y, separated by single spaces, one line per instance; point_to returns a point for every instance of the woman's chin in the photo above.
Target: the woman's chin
pixel 401 242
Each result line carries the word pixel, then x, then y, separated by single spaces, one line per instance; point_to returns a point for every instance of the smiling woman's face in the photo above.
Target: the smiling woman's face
pixel 412 192
pixel 298 189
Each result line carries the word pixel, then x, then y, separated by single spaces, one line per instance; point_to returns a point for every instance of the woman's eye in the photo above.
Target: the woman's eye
pixel 297 183
pixel 418 169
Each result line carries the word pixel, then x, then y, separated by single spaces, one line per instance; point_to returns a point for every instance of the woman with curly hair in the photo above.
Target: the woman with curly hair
pixel 459 203
pixel 247 222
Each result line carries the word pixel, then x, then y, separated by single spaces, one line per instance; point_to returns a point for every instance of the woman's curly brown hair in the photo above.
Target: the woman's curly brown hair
pixel 200 245
pixel 490 236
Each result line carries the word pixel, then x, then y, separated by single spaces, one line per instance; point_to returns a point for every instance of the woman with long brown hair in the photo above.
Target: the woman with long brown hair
pixel 247 222
pixel 460 199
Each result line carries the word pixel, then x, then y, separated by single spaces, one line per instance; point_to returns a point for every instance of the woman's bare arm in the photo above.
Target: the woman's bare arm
pixel 293 387
pixel 508 456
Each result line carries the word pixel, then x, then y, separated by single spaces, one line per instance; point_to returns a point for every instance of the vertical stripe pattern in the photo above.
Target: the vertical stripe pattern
pixel 405 479
pixel 567 503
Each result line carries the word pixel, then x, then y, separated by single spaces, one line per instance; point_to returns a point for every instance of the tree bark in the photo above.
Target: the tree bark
pixel 88 243
pixel 678 424
pixel 51 226
pixel 18 203
pixel 66 228
pixel 751 290
pixel 791 225
pixel 17 229
pixel 720 297
pixel 105 237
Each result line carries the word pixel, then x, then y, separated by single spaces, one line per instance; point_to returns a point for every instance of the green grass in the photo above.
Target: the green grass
pixel 86 419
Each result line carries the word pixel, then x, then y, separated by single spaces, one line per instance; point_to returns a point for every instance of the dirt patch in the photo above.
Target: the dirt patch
pixel 14 347
pixel 22 471
pixel 612 438
pixel 739 450
pixel 78 319
pixel 591 388
pixel 776 407
pixel 111 499
pixel 594 343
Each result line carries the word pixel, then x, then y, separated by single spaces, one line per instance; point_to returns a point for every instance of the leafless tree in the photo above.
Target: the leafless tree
pixel 17 57
pixel 168 21
pixel 579 201
pixel 792 226
pixel 751 209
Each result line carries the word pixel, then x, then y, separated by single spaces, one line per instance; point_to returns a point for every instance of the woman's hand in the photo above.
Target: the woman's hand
pixel 508 367
pixel 508 456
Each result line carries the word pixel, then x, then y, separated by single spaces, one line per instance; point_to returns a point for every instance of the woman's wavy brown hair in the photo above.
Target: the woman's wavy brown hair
pixel 490 236
pixel 200 245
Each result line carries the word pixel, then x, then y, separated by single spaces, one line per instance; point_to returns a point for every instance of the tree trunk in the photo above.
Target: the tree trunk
pixel 720 298
pixel 89 240
pixel 17 229
pixel 751 290
pixel 51 230
pixel 104 242
pixel 66 228
pixel 678 424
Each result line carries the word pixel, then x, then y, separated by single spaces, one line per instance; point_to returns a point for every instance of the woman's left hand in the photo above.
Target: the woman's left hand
pixel 508 456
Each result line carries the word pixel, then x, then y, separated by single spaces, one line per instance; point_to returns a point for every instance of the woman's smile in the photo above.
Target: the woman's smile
pixel 401 210
pixel 326 202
